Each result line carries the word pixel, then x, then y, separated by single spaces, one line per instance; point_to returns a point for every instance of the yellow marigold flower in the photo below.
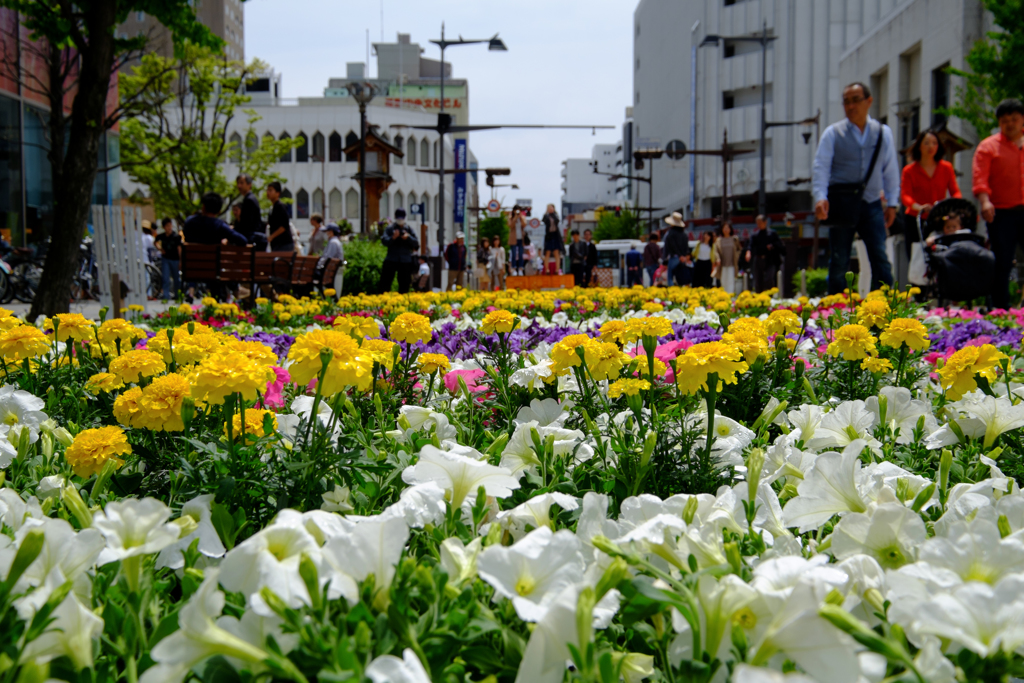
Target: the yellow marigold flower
pixel 659 367
pixel 876 365
pixel 131 366
pixel 350 366
pixel 8 320
pixel 160 404
pixel 783 321
pixel 137 308
pixel 257 351
pixel 651 326
pixel 185 309
pixel 614 331
pixel 330 292
pixel 652 307
pixel 429 363
pixel 749 342
pixel 103 381
pixel 92 448
pixel 360 326
pixel 628 387
pixel 126 407
pixel 606 361
pixel 24 341
pixel 277 308
pixel 227 372
pixel 194 348
pixel 253 424
pixel 873 313
pixel 411 328
pixel 262 301
pixel 297 309
pixel 700 360
pixel 501 322
pixel 382 351
pixel 907 331
pixel 563 353
pixel 957 375
pixel 71 326
pixel 748 324
pixel 209 301
pixel 284 317
pixel 119 328
pixel 287 300
pixel 853 341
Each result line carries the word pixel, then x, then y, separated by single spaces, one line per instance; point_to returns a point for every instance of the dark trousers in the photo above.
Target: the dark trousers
pixel 388 272
pixel 588 276
pixel 870 227
pixel 1004 232
pixel 765 274
pixel 634 276
pixel 579 273
pixel 702 273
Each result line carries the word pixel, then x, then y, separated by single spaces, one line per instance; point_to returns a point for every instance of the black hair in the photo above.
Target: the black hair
pixel 277 186
pixel 244 176
pixel 165 222
pixel 574 232
pixel 1010 105
pixel 915 151
pixel 863 88
pixel 526 240
pixel 212 203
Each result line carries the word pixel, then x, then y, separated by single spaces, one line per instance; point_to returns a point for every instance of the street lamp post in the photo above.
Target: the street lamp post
pixel 362 93
pixel 444 120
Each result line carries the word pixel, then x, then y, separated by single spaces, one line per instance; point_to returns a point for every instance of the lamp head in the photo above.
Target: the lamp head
pixel 496 44
pixel 807 137
pixel 709 40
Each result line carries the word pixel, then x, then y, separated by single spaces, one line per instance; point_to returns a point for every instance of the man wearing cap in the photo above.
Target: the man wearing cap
pixel 676 247
pixel 401 243
pixel 455 256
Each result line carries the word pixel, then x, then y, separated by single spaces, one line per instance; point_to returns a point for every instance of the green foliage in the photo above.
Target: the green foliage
pixel 497 225
pixel 994 68
pixel 625 226
pixel 362 268
pixel 178 144
pixel 817 281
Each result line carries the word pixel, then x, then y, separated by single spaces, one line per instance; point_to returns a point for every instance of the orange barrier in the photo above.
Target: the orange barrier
pixel 539 282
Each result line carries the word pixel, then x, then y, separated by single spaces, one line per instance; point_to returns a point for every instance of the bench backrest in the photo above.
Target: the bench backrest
pixel 303 269
pixel 235 264
pixel 199 262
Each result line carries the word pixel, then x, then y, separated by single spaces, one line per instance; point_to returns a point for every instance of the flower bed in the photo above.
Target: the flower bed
pixel 639 484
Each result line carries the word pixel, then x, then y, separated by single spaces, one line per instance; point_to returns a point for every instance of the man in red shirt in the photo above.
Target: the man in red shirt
pixel 998 171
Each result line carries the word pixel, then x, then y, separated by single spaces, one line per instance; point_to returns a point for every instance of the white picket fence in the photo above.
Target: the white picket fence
pixel 117 245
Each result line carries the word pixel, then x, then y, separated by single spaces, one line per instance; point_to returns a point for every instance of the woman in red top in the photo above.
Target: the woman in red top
pixel 925 182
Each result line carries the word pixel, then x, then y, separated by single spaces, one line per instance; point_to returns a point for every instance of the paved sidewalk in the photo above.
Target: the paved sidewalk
pixel 90 309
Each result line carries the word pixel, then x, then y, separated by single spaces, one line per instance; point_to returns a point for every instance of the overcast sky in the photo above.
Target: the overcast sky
pixel 568 62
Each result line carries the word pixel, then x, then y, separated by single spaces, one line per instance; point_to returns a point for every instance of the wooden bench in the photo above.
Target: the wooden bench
pixel 330 271
pixel 216 265
pixel 199 263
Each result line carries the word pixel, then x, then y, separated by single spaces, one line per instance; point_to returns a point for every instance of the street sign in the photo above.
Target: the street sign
pixel 524 202
pixel 416 209
pixel 676 149
pixel 534 223
pixel 494 206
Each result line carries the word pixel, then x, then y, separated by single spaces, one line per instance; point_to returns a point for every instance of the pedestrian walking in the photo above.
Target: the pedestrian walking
pixel 634 267
pixel 652 256
pixel 676 248
pixel 497 263
pixel 727 257
pixel 591 263
pixel 998 183
pixel 855 168
pixel 455 256
pixel 516 234
pixel 702 259
pixel 401 244
pixel 250 220
pixel 765 255
pixel 578 259
pixel 169 244
pixel 554 249
pixel 279 224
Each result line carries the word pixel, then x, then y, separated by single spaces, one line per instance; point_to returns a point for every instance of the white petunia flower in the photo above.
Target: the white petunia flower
pixel 338 500
pixel 459 476
pixel 831 488
pixel 373 546
pixel 535 513
pixel 391 669
pixel 998 414
pixel 981 618
pixel 901 412
pixel 546 413
pixel 848 422
pixel 20 410
pixel 890 533
pixel 71 635
pixel 459 559
pixel 134 527
pixel 210 544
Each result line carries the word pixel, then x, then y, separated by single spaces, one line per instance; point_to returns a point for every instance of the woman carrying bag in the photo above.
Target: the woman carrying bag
pixel 726 257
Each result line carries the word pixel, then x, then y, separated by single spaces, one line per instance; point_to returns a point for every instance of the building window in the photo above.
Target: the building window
pixel 318 201
pixel 318 147
pixel 235 148
pixel 302 151
pixel 385 205
pixel 302 204
pixel 412 152
pixel 400 144
pixel 940 94
pixel 412 201
pixel 286 158
pixel 352 204
pixel 910 125
pixel 140 16
pixel 424 152
pixel 399 201
pixel 350 140
pixel 437 159
pixel 334 146
pixel 336 202
pixel 286 195
pixel 252 143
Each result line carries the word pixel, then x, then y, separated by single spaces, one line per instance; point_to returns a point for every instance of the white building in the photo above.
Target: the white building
pixel 819 46
pixel 582 188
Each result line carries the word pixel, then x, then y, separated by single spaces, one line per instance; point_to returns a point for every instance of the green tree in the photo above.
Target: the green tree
pixel 625 226
pixel 76 42
pixel 495 225
pixel 994 68
pixel 178 143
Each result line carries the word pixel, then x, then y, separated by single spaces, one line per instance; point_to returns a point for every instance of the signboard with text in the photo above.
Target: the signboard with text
pixel 459 186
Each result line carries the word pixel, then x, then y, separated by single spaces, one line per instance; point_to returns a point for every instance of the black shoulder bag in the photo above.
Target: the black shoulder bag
pixel 844 198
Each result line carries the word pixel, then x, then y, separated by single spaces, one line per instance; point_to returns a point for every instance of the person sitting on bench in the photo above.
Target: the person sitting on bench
pixel 206 227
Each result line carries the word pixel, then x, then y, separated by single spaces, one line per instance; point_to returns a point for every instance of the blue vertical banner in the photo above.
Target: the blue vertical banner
pixel 460 182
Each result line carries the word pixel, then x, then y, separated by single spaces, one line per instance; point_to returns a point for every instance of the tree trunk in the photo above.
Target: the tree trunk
pixel 74 175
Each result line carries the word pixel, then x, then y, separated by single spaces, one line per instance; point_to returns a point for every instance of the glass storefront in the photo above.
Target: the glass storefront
pixel 10 171
pixel 38 179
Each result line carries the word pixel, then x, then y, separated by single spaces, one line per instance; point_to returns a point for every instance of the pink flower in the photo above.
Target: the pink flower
pixel 669 350
pixel 470 377
pixel 273 397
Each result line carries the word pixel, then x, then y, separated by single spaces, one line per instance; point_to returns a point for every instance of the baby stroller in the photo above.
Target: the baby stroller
pixel 960 267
